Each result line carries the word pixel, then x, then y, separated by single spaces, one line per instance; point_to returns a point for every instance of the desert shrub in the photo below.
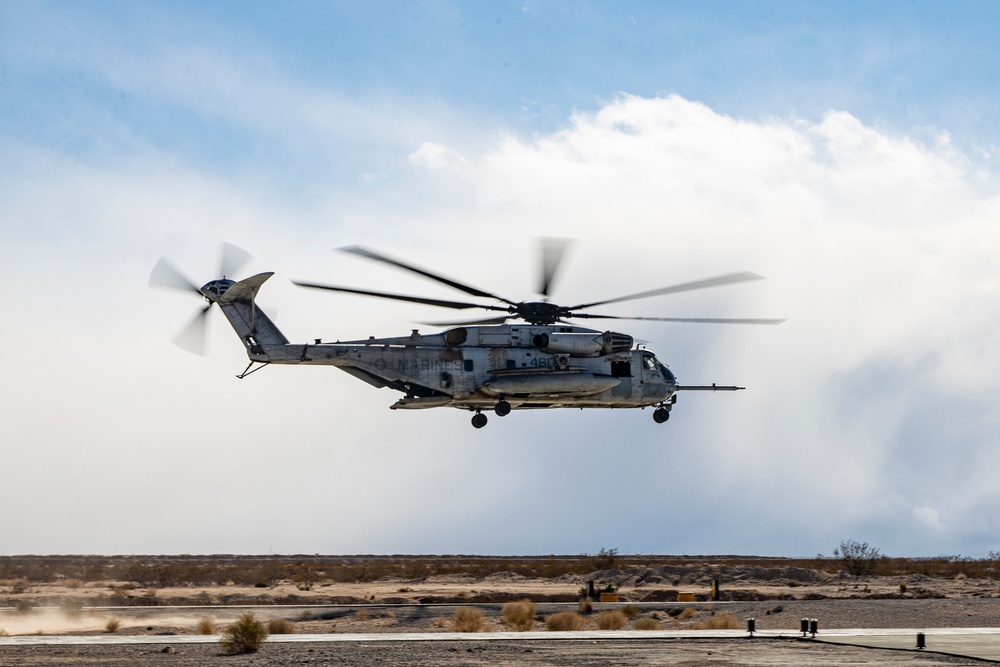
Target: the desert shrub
pixel 611 620
pixel 363 615
pixel 564 621
pixel 858 558
pixel 206 626
pixel 244 636
pixel 686 613
pixel 113 624
pixel 630 611
pixel 720 622
pixel 646 623
pixel 606 559
pixel 586 606
pixel 280 626
pixel 467 619
pixel 520 614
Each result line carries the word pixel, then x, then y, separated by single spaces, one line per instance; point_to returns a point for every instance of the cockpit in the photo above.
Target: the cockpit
pixel 651 363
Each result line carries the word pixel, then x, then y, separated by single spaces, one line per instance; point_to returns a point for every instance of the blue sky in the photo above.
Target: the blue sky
pixel 845 151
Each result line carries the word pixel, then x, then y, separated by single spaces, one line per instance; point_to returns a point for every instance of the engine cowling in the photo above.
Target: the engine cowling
pixel 583 344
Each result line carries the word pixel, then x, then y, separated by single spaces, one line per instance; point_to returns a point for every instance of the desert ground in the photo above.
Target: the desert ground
pixel 77 596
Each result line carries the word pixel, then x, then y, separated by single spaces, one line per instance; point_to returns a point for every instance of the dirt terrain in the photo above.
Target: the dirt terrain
pixel 776 595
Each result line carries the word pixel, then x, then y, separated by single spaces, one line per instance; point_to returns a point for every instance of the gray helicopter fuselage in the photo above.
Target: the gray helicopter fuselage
pixel 473 367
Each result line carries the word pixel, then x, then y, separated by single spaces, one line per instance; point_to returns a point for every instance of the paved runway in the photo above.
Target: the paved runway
pixel 978 643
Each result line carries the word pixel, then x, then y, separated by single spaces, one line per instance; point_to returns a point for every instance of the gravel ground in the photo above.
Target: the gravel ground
pixel 625 653
pixel 773 615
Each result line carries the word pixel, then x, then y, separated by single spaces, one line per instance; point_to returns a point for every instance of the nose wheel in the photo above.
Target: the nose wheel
pixel 502 409
pixel 479 419
pixel 661 415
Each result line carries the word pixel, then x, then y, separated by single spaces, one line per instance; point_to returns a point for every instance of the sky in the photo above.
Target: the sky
pixel 842 150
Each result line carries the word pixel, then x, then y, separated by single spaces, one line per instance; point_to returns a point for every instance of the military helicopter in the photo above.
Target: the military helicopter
pixel 528 357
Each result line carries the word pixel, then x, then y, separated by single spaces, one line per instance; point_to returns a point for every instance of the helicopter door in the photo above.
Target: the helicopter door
pixel 623 370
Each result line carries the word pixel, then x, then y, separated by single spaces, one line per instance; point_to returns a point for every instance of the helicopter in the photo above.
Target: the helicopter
pixel 530 356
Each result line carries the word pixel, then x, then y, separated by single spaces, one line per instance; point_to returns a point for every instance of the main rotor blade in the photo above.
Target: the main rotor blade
pixel 458 305
pixel 696 320
pixel 165 275
pixel 192 337
pixel 488 320
pixel 468 289
pixel 552 254
pixel 231 258
pixel 727 279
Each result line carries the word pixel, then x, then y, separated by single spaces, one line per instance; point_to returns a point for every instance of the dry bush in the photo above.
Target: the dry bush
pixel 646 623
pixel 280 626
pixel 686 613
pixel 467 619
pixel 206 626
pixel 630 611
pixel 564 621
pixel 244 636
pixel 441 623
pixel 720 622
pixel 520 614
pixel 363 614
pixel 586 606
pixel 113 624
pixel 611 620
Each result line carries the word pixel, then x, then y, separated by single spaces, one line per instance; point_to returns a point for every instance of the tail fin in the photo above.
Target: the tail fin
pixel 254 328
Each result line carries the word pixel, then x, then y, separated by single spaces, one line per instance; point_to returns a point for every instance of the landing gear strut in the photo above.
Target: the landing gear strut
pixel 502 409
pixel 479 419
pixel 661 415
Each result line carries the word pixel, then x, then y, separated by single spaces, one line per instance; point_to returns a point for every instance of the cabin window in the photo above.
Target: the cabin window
pixel 511 363
pixel 469 365
pixel 621 369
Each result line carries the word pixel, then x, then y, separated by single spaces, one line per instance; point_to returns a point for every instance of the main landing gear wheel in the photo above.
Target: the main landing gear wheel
pixel 661 415
pixel 502 409
pixel 479 420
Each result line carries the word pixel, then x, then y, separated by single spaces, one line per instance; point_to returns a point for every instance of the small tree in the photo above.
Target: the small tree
pixel 859 558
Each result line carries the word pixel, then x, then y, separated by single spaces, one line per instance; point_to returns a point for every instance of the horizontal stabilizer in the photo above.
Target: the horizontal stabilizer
pixel 245 290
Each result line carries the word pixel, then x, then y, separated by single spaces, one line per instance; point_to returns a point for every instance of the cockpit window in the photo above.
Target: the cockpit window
pixel 667 375
pixel 649 363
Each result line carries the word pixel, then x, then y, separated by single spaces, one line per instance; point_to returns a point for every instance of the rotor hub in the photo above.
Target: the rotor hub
pixel 538 312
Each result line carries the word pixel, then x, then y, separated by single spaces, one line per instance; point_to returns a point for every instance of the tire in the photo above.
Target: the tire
pixel 661 415
pixel 502 409
pixel 479 420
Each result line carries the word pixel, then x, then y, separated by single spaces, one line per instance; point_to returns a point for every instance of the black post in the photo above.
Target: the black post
pixel 751 625
pixel 921 640
pixel 804 626
pixel 715 590
pixel 590 589
pixel 814 627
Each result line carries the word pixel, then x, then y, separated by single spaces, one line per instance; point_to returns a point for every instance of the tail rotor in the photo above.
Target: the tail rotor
pixel 165 275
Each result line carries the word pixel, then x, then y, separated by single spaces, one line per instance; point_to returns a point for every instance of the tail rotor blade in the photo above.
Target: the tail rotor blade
pixel 552 254
pixel 231 258
pixel 192 337
pixel 165 275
